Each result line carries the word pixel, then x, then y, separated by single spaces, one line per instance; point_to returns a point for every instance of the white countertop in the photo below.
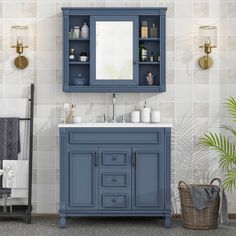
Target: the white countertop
pixel 116 125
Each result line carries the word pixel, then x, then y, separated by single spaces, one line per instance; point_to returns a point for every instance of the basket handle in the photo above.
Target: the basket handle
pixel 215 180
pixel 182 183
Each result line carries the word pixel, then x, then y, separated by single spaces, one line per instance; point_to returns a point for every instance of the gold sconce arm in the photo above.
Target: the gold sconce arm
pixel 208 40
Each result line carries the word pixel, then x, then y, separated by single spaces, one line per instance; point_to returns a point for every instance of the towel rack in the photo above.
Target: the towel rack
pixel 24 211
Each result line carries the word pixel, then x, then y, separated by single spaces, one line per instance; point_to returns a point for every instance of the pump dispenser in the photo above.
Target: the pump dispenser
pixel 145 114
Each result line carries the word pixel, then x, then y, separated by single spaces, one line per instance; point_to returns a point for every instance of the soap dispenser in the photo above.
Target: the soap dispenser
pixel 145 114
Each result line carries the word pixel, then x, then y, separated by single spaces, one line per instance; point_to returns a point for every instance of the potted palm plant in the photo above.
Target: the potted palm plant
pixel 224 147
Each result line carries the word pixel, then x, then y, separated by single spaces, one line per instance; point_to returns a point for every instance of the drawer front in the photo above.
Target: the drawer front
pixel 118 179
pixel 115 158
pixel 115 135
pixel 114 200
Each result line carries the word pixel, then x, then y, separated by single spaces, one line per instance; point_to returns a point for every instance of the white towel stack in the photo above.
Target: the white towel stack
pixel 16 177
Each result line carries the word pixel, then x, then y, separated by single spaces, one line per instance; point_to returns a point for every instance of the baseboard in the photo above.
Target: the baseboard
pixel 176 216
pixel 231 216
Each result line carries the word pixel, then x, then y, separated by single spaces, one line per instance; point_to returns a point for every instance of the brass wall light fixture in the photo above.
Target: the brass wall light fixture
pixel 208 40
pixel 19 41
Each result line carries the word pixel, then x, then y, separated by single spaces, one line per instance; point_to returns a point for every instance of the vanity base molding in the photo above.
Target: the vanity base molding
pixel 115 172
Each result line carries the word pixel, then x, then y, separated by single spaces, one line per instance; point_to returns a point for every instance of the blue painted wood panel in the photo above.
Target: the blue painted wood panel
pixel 148 179
pixel 115 136
pixel 83 175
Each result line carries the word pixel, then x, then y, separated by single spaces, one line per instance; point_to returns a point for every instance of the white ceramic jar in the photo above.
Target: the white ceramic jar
pixel 155 116
pixel 76 32
pixel 135 116
pixel 85 31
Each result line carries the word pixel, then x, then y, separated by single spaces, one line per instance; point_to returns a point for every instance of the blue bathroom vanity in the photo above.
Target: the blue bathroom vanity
pixel 113 50
pixel 115 169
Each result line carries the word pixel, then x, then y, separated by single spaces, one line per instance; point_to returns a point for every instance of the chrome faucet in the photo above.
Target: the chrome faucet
pixel 113 108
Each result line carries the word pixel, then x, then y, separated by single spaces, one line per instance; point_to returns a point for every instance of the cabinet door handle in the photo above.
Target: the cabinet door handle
pixel 134 155
pixel 114 180
pixel 95 159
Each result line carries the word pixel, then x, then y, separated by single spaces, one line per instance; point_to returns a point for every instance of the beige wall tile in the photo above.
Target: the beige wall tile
pixel 201 109
pixel 29 9
pixel 201 9
pixel 232 9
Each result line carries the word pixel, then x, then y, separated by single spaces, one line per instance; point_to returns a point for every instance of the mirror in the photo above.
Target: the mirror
pixel 114 50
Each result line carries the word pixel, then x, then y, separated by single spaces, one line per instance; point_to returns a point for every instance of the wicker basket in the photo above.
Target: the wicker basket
pixel 194 218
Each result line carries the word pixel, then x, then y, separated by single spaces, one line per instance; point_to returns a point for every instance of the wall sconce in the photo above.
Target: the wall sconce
pixel 208 40
pixel 19 40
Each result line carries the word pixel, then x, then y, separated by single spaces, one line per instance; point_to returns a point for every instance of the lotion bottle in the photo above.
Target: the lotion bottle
pixel 145 114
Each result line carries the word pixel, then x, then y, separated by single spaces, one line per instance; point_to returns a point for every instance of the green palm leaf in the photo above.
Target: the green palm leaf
pixel 230 180
pixel 229 128
pixel 227 152
pixel 230 104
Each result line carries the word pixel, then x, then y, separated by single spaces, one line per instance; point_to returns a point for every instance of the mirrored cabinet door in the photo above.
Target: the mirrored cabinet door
pixel 113 47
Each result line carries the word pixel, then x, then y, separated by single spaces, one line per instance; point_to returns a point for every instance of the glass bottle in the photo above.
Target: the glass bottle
pixel 152 57
pixel 144 29
pixel 153 31
pixel 71 33
pixel 85 31
pixel 72 55
pixel 142 53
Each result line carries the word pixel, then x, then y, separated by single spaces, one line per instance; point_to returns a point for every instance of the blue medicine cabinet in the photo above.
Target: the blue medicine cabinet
pixel 109 57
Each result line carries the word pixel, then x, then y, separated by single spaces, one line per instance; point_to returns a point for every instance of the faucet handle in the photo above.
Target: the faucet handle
pixel 123 119
pixel 105 118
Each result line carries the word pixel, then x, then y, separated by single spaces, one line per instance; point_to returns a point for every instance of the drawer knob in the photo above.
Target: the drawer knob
pixel 114 180
pixel 113 200
pixel 114 158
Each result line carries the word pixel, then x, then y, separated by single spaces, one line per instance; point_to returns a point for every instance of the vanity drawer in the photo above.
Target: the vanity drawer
pixel 116 135
pixel 115 158
pixel 115 200
pixel 115 179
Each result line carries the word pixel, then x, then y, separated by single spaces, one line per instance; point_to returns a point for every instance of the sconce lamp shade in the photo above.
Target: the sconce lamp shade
pixel 208 35
pixel 20 36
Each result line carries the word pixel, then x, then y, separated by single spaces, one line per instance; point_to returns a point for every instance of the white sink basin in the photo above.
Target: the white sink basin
pixel 114 125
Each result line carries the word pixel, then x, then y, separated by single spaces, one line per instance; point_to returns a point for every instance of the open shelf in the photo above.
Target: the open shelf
pixel 80 39
pixel 149 63
pixel 79 62
pixel 149 39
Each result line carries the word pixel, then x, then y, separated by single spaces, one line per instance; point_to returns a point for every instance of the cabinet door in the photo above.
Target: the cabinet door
pixel 83 177
pixel 147 179
pixel 114 50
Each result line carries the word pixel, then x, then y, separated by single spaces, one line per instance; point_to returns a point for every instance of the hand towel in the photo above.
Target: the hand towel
pixel 9 138
pixel 18 107
pixel 203 195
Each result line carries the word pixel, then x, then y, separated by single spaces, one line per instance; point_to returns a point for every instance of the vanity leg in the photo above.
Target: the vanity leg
pixel 62 221
pixel 167 221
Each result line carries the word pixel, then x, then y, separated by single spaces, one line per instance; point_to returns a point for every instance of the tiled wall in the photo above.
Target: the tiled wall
pixel 193 101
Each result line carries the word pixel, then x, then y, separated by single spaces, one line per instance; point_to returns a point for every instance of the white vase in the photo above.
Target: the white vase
pixel 85 31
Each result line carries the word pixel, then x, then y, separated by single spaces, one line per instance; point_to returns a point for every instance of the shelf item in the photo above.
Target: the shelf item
pixel 144 29
pixel 129 76
pixel 153 31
